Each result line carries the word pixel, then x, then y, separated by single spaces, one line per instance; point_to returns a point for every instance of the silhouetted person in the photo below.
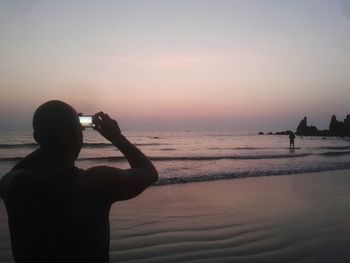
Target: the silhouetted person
pixel 291 141
pixel 57 212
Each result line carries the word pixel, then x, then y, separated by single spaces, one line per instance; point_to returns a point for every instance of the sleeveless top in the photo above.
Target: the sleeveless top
pixel 41 223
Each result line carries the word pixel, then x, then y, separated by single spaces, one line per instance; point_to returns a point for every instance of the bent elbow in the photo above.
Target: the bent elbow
pixel 155 175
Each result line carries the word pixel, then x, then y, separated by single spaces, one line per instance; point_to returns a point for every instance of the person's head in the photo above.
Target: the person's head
pixel 57 129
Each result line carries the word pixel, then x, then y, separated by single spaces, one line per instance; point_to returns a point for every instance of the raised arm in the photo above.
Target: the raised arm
pixel 116 184
pixel 109 129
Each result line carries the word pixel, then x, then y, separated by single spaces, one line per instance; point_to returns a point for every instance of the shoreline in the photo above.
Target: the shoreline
pixel 229 176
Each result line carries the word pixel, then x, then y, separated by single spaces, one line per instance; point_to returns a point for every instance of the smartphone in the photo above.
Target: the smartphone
pixel 86 121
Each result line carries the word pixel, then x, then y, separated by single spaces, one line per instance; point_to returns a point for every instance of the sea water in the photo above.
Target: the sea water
pixel 183 157
pixel 277 219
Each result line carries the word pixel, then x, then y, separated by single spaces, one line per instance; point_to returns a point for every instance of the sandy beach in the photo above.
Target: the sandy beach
pixel 294 218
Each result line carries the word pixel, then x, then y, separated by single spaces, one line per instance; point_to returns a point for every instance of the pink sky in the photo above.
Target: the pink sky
pixel 167 65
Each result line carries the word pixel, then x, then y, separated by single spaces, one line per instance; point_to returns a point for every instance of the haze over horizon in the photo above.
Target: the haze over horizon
pixel 178 65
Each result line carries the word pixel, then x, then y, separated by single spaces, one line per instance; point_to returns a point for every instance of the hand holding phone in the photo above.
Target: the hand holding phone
pixel 86 121
pixel 107 127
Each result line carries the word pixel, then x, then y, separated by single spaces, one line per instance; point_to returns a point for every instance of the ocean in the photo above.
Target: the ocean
pixel 263 218
pixel 184 157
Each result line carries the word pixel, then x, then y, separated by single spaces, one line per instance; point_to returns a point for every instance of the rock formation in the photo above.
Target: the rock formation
pixel 339 128
pixel 336 128
pixel 305 130
pixel 287 132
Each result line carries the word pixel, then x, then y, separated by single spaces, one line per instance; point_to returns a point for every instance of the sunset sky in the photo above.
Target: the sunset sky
pixel 178 65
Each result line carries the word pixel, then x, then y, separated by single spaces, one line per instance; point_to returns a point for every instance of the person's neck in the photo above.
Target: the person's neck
pixel 56 161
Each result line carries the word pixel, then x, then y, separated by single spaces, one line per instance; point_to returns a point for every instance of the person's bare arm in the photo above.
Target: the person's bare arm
pixel 117 184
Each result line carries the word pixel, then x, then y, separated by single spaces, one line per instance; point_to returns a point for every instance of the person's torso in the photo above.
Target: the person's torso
pixel 44 224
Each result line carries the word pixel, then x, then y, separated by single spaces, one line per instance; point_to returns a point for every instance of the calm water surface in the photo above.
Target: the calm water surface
pixel 182 157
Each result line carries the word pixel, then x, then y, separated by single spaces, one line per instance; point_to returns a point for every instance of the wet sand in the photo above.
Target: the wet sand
pixel 296 218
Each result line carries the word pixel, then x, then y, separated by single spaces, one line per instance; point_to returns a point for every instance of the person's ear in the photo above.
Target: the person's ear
pixel 35 136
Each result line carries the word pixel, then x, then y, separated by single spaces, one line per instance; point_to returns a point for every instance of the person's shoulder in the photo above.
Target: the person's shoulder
pixel 110 184
pixel 6 180
pixel 99 170
pixel 95 184
pixel 9 176
pixel 96 176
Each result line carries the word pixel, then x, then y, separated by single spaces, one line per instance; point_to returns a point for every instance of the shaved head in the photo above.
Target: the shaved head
pixel 57 128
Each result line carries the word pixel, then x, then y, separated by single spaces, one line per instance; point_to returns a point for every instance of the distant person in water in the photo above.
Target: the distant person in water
pixel 291 141
pixel 58 212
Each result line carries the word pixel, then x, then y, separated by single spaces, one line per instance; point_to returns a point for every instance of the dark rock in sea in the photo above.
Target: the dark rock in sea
pixel 347 124
pixel 302 125
pixel 336 128
pixel 339 128
pixel 323 133
pixel 335 125
pixel 304 129
pixel 347 120
pixel 288 132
